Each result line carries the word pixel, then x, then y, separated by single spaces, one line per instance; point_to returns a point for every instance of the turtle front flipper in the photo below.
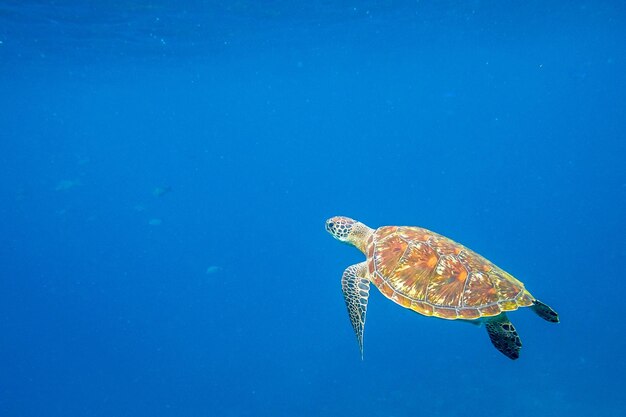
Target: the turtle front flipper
pixel 504 336
pixel 356 290
pixel 545 312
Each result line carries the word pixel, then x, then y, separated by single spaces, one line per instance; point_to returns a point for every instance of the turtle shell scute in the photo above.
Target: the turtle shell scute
pixel 436 276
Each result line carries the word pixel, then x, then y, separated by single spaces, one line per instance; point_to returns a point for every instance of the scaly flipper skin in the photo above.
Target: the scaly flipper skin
pixel 356 291
pixel 545 312
pixel 504 336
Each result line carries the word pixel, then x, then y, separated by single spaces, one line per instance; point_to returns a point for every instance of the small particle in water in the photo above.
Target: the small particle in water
pixel 82 160
pixel 155 222
pixel 161 191
pixel 65 185
pixel 213 269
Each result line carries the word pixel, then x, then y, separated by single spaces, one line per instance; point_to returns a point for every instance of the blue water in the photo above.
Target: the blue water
pixel 167 168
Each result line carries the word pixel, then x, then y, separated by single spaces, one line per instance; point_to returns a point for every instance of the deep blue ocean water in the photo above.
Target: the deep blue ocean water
pixel 167 168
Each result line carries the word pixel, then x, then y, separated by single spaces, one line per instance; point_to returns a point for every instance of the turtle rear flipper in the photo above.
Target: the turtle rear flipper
pixel 504 336
pixel 545 312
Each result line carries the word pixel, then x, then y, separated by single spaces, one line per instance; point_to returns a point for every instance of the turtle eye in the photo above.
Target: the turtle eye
pixel 331 225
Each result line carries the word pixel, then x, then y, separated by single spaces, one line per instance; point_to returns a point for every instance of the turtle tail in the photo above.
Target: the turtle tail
pixel 545 312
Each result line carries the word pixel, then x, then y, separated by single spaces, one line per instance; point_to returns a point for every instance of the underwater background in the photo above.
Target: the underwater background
pixel 167 168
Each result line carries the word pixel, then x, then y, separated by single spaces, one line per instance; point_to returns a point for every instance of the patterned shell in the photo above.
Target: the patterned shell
pixel 436 276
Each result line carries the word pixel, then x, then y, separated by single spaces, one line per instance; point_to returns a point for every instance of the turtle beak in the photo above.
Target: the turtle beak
pixel 339 227
pixel 330 226
pixel 336 228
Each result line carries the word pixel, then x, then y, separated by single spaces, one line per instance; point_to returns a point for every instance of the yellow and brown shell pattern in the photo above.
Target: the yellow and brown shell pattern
pixel 436 276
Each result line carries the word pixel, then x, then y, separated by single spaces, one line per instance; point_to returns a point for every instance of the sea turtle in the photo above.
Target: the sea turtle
pixel 434 276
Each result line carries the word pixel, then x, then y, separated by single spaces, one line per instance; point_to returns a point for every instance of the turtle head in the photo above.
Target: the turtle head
pixel 349 231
